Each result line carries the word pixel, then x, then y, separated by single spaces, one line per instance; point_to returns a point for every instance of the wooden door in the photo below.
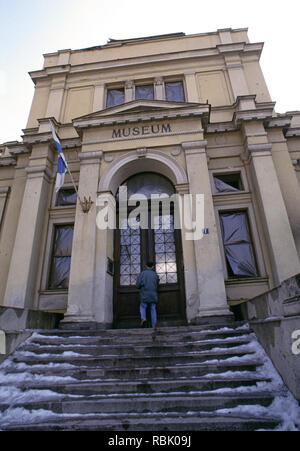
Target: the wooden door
pixel 133 248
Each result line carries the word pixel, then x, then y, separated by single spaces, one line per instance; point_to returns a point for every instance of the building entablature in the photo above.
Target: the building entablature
pixel 138 111
pixel 10 151
pixel 221 50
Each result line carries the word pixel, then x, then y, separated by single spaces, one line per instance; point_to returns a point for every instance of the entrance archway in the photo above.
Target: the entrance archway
pixel 158 241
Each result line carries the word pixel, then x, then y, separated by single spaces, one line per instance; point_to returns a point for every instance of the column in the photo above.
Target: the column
pixel 21 282
pixel 210 276
pixel 282 248
pixel 81 285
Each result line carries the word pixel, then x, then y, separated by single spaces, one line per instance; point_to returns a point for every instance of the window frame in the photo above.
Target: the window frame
pixel 54 198
pixel 130 85
pixel 53 222
pixel 175 80
pixel 237 170
pixel 254 238
pixel 111 88
pixel 54 228
pixel 144 83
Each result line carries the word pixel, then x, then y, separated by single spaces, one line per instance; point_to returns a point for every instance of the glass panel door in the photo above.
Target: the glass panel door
pixel 165 249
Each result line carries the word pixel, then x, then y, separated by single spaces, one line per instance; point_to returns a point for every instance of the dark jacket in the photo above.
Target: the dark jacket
pixel 147 282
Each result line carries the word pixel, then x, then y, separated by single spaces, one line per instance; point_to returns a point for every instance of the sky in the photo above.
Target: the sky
pixel 31 28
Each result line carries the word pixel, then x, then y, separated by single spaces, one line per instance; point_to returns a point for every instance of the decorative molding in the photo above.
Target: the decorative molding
pixel 7 161
pixel 256 150
pixel 39 171
pixel 90 157
pixel 175 152
pixel 182 188
pixel 108 158
pixel 292 131
pixel 194 147
pixel 183 55
pixel 4 190
pixel 141 152
pixel 164 164
pixel 158 81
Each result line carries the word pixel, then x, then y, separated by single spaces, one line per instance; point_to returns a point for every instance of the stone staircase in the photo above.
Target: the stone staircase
pixel 186 378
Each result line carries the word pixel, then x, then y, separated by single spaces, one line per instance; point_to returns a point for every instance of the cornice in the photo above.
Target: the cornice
pixel 141 111
pixel 257 114
pixel 4 190
pixel 182 55
pixel 292 131
pixel 7 161
pixel 279 121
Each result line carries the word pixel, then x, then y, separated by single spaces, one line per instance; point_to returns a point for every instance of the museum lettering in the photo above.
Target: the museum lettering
pixel 141 131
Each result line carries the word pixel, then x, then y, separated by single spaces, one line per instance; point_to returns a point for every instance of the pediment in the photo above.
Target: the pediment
pixel 141 110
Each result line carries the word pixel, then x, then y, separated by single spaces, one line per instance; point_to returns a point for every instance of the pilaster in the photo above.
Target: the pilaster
pixel 189 261
pixel 56 96
pixel 211 286
pixel 129 91
pixel 159 92
pixel 282 248
pixel 81 285
pixel 21 282
pixel 191 87
pixel 98 102
pixel 288 181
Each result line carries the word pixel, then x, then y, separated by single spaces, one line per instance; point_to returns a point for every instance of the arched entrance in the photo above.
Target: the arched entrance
pixel 158 241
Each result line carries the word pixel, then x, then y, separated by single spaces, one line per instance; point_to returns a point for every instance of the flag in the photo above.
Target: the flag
pixel 62 164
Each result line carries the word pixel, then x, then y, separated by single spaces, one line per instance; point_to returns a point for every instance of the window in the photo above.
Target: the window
pixel 227 183
pixel 67 196
pixel 61 257
pixel 115 97
pixel 238 247
pixel 144 92
pixel 174 91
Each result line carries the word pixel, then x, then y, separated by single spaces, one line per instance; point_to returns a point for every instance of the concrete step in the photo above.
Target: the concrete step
pixel 152 349
pixel 132 403
pixel 92 387
pixel 129 361
pixel 80 373
pixel 136 335
pixel 154 422
pixel 175 378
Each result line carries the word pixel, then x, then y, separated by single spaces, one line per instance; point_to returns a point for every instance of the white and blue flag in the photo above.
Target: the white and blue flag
pixel 62 164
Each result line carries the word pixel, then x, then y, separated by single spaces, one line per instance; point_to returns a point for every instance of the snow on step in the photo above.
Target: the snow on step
pixel 48 372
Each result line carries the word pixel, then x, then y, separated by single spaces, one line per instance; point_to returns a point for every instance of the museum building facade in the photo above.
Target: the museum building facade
pixel 176 114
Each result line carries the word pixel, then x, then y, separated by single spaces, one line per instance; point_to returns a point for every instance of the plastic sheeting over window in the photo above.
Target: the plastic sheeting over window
pixel 222 187
pixel 66 197
pixel 115 97
pixel 61 258
pixel 144 92
pixel 237 244
pixel 174 91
